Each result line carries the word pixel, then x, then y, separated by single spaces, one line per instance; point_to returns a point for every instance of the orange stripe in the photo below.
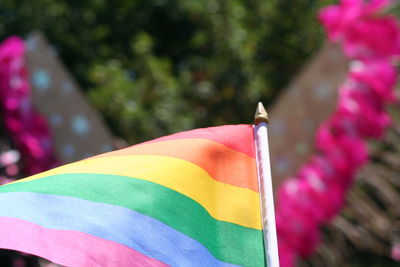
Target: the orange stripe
pixel 220 162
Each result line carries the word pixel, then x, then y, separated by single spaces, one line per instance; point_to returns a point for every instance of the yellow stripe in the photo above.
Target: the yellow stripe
pixel 223 201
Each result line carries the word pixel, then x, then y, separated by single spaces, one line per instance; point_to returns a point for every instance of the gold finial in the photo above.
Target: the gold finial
pixel 261 115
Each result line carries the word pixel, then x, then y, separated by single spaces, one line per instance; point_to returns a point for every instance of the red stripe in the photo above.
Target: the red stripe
pixel 237 137
pixel 66 247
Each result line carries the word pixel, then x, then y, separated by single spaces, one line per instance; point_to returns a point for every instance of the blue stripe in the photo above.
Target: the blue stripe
pixel 127 227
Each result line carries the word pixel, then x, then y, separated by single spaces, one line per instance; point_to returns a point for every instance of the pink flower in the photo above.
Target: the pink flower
pixel 346 152
pixel 338 18
pixel 27 129
pixel 311 241
pixel 11 103
pixel 364 34
pixel 325 191
pixel 317 192
pixel 13 125
pixel 12 170
pixel 360 112
pixel 9 157
pixel 298 218
pixel 286 254
pixel 378 75
pixel 372 37
pixel 295 194
pixel 11 48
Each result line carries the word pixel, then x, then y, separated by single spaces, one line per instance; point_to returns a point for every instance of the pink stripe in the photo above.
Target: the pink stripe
pixel 237 137
pixel 65 247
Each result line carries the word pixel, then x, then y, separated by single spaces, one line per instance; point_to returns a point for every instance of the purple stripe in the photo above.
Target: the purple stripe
pixel 67 247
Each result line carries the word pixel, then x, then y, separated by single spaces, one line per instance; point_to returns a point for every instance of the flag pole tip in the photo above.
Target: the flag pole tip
pixel 261 114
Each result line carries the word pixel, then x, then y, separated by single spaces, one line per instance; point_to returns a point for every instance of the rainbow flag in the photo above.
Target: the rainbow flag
pixel 188 199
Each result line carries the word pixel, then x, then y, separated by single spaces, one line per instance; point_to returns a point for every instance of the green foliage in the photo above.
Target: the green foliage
pixel 141 104
pixel 160 66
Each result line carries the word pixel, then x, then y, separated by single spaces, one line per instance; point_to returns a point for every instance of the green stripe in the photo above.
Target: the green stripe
pixel 226 241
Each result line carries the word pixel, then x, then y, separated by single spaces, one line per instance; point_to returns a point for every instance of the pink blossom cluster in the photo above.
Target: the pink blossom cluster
pixel 371 40
pixel 26 128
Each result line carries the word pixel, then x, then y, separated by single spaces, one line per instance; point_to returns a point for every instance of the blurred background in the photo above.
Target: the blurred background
pixel 173 65
pixel 143 69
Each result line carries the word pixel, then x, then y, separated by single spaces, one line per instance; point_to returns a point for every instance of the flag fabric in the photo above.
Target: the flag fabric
pixel 188 199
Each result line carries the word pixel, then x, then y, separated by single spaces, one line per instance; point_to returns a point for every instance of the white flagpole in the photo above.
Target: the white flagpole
pixel 265 186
